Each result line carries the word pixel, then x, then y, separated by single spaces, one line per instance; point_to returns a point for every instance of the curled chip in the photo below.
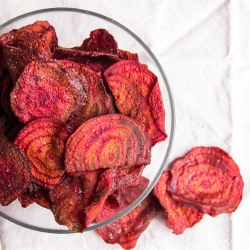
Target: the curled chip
pixel 107 141
pixel 127 230
pixel 207 178
pixel 76 201
pixel 179 216
pixel 95 91
pixel 15 173
pixel 35 193
pixel 43 142
pixel 21 46
pixel 126 176
pixel 98 61
pixel 45 88
pixel 137 94
pixel 100 40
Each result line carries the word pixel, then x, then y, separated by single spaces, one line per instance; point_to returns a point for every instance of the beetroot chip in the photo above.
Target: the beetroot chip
pixel 43 142
pixel 76 201
pixel 179 216
pixel 95 91
pixel 45 88
pixel 45 31
pixel 126 55
pixel 15 173
pixel 107 141
pixel 98 61
pixel 208 178
pixel 127 230
pixel 137 94
pixel 100 40
pixel 21 47
pixel 126 176
pixel 35 193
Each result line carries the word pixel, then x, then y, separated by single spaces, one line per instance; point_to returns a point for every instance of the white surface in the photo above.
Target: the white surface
pixel 203 46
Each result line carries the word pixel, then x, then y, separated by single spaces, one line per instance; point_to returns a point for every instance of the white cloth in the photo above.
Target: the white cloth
pixel 203 47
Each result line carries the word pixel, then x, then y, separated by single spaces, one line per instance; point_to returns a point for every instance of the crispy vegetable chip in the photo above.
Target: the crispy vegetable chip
pixel 127 230
pixel 100 40
pixel 207 178
pixel 76 201
pixel 126 176
pixel 179 216
pixel 45 88
pixel 126 55
pixel 43 142
pixel 21 47
pixel 95 92
pixel 107 141
pixel 137 94
pixel 98 61
pixel 15 173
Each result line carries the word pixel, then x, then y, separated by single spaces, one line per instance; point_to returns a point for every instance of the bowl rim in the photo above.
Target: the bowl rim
pixel 170 136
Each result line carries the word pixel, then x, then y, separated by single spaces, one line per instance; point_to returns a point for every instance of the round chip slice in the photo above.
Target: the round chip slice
pixel 45 88
pixel 207 178
pixel 179 216
pixel 15 173
pixel 137 94
pixel 43 142
pixel 107 141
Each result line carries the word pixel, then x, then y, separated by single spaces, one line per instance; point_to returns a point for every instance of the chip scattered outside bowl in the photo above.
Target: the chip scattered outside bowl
pixel 99 43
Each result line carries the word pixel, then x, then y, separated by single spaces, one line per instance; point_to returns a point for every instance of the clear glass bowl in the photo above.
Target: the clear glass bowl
pixel 72 26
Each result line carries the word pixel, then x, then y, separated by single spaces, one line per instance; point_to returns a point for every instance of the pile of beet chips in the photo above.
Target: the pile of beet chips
pixel 77 126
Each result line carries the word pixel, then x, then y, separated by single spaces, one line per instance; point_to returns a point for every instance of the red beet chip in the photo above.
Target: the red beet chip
pixel 76 201
pixel 137 94
pixel 126 55
pixel 100 40
pixel 95 91
pixel 127 230
pixel 45 88
pixel 179 216
pixel 98 61
pixel 45 31
pixel 15 173
pixel 107 141
pixel 126 176
pixel 21 47
pixel 43 142
pixel 35 193
pixel 208 178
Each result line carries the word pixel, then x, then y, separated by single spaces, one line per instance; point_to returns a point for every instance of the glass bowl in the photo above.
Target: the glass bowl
pixel 72 26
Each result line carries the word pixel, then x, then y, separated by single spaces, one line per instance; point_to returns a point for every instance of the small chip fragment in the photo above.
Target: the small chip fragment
pixel 15 173
pixel 43 142
pixel 179 216
pixel 107 141
pixel 207 178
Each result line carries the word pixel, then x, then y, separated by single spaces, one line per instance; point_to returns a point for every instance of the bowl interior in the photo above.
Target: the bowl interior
pixel 72 26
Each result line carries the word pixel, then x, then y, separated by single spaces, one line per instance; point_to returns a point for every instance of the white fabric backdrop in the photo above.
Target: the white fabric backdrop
pixel 203 46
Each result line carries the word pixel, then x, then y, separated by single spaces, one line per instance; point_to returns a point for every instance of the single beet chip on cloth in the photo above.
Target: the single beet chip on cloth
pixel 15 173
pixel 43 142
pixel 179 216
pixel 207 178
pixel 107 141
